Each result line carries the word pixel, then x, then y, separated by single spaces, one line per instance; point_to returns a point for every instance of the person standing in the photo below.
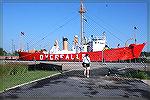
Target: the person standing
pixel 86 65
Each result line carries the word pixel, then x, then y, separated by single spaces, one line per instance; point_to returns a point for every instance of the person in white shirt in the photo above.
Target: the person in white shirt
pixel 86 65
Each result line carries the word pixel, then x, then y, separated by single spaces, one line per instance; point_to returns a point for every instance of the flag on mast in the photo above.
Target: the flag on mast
pixel 22 33
pixel 135 28
pixel 85 19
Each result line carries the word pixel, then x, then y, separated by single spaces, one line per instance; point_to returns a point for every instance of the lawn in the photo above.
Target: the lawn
pixel 13 80
pixel 16 73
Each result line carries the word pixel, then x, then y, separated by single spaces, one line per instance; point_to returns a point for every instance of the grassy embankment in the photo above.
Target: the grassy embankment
pixel 12 74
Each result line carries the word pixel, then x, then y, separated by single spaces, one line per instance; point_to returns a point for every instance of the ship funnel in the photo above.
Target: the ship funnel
pixel 65 43
pixel 76 39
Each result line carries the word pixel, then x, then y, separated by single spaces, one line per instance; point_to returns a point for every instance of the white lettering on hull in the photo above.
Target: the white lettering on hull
pixel 83 55
pixel 41 57
pixel 77 56
pixel 61 56
pixel 67 56
pixel 72 57
pixel 56 57
pixel 46 55
pixel 51 57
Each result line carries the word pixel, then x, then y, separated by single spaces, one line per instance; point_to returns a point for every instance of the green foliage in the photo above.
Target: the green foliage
pixel 14 73
pixel 137 74
pixel 13 80
pixel 147 54
pixel 4 53
pixel 141 75
pixel 1 52
pixel 15 53
pixel 12 69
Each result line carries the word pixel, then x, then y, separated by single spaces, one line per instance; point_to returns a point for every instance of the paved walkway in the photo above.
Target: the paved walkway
pixel 74 84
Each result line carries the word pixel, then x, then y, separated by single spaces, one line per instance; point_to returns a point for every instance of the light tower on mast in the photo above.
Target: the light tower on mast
pixel 82 11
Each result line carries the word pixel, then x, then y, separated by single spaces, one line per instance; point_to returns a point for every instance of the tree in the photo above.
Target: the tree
pixel 1 52
pixel 15 53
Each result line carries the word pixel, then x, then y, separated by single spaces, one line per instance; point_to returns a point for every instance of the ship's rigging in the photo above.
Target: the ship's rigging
pixel 84 18
pixel 96 47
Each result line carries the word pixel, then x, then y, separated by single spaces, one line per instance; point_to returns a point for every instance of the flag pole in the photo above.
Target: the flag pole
pixel 135 28
pixel 21 41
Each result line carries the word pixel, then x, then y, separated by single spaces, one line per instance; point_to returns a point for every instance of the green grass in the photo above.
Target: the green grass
pixel 12 68
pixel 16 73
pixel 138 74
pixel 148 74
pixel 13 80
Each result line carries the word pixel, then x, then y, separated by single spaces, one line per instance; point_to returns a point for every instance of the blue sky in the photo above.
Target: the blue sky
pixel 43 23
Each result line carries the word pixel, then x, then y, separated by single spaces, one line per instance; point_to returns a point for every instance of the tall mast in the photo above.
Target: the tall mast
pixel 82 11
pixel 21 40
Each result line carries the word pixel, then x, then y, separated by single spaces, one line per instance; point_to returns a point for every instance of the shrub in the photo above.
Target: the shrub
pixel 141 75
pixel 136 74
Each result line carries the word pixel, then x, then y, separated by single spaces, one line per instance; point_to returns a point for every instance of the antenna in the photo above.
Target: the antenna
pixel 28 46
pixel 12 46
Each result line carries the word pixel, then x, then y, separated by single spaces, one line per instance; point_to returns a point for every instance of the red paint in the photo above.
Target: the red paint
pixel 115 54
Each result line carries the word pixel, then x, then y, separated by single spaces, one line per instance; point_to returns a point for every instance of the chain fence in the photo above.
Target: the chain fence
pixel 67 78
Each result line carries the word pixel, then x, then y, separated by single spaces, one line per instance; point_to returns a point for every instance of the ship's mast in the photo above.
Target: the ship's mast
pixel 82 11
pixel 21 40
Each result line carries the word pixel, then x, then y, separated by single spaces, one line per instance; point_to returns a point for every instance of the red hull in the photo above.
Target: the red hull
pixel 115 54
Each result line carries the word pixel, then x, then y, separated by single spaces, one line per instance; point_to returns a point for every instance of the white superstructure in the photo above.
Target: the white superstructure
pixel 99 43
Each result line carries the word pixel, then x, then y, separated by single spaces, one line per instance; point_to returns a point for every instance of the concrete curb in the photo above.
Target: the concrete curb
pixel 146 82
